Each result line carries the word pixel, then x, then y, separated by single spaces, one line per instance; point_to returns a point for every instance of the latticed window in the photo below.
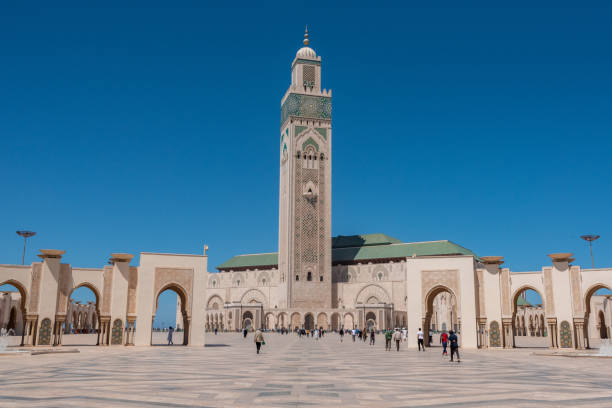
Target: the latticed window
pixel 309 76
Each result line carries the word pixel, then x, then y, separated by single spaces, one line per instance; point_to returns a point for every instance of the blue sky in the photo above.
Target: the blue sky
pixel 155 128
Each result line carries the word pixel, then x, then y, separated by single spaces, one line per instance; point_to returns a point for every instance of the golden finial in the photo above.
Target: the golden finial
pixel 306 41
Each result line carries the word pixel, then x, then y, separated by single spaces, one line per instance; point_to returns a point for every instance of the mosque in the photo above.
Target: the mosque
pixel 316 280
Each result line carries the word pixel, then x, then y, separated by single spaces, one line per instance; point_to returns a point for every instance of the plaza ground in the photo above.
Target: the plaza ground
pixel 294 372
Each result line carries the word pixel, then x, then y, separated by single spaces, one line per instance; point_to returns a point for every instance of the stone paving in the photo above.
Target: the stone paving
pixel 294 372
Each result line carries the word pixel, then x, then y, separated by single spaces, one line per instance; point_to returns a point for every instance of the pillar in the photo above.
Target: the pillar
pixel 579 330
pixel 508 336
pixel 482 332
pixel 552 332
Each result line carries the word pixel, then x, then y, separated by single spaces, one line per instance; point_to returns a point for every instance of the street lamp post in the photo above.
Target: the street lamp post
pixel 25 235
pixel 590 239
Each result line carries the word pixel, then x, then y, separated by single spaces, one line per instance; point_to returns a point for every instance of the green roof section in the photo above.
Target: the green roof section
pixel 250 261
pixel 359 248
pixel 522 302
pixel 344 241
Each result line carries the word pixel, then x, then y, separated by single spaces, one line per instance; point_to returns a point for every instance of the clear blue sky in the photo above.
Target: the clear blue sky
pixel 153 128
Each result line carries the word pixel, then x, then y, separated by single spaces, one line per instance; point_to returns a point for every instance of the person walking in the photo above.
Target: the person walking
pixel 430 337
pixel 397 336
pixel 388 336
pixel 365 334
pixel 404 334
pixel 170 333
pixel 444 342
pixel 341 335
pixel 372 338
pixel 259 340
pixel 244 333
pixel 353 333
pixel 420 335
pixel 454 345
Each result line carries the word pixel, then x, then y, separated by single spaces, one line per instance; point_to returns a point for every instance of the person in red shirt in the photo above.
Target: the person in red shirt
pixel 444 341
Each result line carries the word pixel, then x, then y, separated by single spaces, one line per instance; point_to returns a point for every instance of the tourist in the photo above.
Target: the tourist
pixel 398 338
pixel 341 332
pixel 259 340
pixel 353 333
pixel 244 333
pixel 454 345
pixel 444 342
pixel 420 335
pixel 216 330
pixel 430 337
pixel 404 334
pixel 372 339
pixel 388 336
pixel 170 332
pixel 365 335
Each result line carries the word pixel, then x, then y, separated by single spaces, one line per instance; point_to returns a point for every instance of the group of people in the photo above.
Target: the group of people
pixel 396 336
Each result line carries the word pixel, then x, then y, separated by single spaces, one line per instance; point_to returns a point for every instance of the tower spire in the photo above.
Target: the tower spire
pixel 306 40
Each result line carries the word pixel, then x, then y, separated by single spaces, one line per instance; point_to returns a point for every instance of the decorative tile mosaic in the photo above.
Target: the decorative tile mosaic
pixel 44 338
pixel 306 106
pixel 117 332
pixel 565 335
pixel 494 337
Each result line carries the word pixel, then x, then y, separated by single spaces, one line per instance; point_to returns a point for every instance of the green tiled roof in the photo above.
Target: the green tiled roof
pixel 359 248
pixel 343 241
pixel 254 260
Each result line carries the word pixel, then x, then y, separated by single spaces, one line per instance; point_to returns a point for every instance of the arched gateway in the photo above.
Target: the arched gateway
pixel 125 297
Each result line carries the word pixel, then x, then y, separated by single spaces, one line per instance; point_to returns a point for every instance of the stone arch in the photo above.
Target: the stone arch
pixel 248 320
pixel 254 295
pixel 185 302
pixel 238 279
pixel 603 332
pixel 23 294
pixel 322 321
pixel 370 291
pixel 80 319
pixel 589 316
pixel 429 306
pixel 335 321
pixel 520 326
pixel 309 321
pixel 214 299
pixel 349 321
pixel 296 320
pixel 270 321
pixel 214 282
pixel 282 320
pixel 263 279
pixel 380 273
pixel 370 319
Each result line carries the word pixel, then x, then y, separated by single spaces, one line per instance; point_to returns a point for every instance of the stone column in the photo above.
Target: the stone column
pixel 482 327
pixel 29 331
pixel 552 332
pixel 508 335
pixel 104 331
pixel 57 333
pixel 579 330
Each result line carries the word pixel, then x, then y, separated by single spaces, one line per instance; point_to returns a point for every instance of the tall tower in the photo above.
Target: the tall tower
pixel 304 253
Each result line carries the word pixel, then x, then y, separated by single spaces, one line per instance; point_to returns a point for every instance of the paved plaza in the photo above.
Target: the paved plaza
pixel 300 372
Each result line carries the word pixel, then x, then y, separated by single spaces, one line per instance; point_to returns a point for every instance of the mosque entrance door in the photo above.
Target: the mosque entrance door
pixel 309 322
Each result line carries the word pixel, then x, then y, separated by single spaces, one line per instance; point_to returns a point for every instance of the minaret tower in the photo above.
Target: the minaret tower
pixel 304 253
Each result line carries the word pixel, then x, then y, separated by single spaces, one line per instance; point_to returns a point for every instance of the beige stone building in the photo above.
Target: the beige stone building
pixel 316 280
